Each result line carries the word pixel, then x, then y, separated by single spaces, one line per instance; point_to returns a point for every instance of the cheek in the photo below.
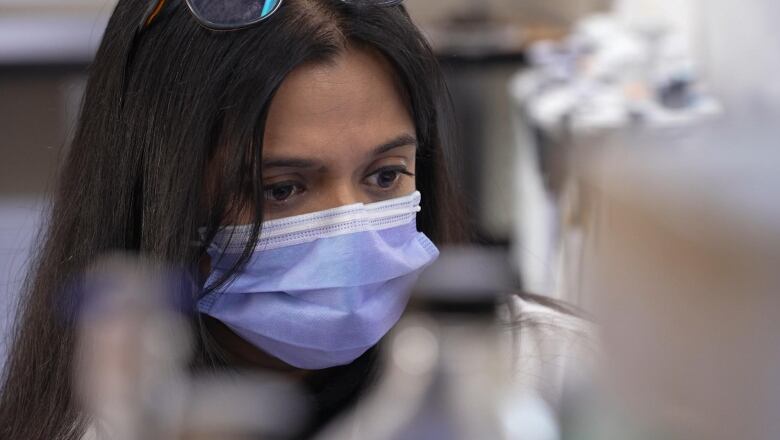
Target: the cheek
pixel 412 183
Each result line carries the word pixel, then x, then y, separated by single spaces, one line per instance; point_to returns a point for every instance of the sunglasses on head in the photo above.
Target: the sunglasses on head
pixel 225 15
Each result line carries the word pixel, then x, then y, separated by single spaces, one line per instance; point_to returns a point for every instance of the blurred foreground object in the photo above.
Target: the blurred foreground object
pixel 682 273
pixel 132 372
pixel 447 363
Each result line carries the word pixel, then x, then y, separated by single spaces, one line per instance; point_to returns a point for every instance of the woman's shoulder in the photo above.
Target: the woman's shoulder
pixel 550 344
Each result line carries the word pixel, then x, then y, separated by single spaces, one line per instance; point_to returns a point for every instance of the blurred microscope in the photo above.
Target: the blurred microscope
pixel 132 374
pixel 449 372
pixel 445 369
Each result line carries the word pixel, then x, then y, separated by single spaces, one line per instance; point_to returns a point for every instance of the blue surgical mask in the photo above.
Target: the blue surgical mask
pixel 321 289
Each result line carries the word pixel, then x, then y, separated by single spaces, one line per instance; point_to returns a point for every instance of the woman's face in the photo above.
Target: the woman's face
pixel 337 134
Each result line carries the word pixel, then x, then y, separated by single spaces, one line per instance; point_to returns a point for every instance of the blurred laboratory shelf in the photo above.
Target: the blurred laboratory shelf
pixel 38 40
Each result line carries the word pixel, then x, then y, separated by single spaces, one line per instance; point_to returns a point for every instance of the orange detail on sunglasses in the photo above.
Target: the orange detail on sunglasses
pixel 155 12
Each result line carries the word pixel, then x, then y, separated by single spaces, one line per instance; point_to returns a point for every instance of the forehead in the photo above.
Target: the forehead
pixel 337 109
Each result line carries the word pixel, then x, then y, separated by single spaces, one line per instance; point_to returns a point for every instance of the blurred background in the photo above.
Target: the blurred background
pixel 622 151
pixel 524 75
pixel 46 46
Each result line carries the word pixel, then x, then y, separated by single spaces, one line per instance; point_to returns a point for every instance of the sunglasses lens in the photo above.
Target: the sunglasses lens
pixel 231 14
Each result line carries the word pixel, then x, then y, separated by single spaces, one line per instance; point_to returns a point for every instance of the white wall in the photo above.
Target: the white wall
pixel 741 53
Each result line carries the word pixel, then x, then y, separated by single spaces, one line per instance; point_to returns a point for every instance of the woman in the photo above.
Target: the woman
pixel 205 115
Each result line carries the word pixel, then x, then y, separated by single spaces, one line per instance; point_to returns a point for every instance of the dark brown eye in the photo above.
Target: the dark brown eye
pixel 281 192
pixel 386 179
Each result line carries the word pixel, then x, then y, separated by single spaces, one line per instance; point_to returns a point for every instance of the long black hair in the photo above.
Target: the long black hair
pixel 157 115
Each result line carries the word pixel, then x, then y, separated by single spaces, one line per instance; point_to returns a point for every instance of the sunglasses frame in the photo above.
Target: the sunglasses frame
pixel 156 9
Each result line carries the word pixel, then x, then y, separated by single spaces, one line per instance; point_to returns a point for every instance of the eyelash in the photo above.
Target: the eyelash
pixel 298 188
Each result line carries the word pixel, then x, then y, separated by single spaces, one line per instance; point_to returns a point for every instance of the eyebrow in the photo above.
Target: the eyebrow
pixel 401 141
pixel 298 162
